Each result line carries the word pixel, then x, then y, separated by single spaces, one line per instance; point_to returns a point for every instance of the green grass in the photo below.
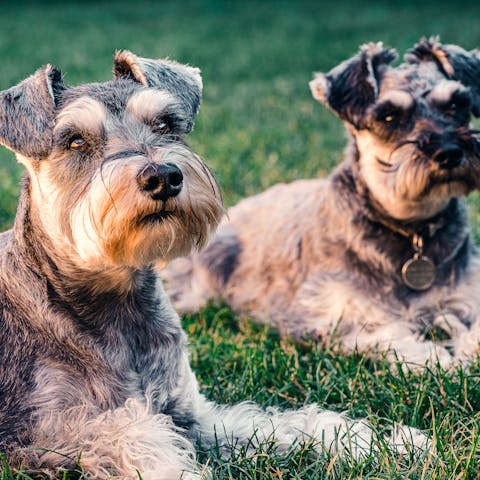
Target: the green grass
pixel 259 125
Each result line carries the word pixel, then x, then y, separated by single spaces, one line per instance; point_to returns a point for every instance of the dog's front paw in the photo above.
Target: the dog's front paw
pixel 416 355
pixel 406 439
pixel 467 345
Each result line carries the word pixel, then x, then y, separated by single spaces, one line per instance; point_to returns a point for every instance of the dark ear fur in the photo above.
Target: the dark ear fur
pixel 352 86
pixel 27 113
pixel 184 82
pixel 454 62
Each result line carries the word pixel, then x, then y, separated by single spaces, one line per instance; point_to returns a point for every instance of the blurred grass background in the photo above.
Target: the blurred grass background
pixel 258 125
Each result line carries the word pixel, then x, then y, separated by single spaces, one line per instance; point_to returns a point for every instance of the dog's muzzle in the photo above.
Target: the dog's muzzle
pixel 160 181
pixel 444 150
pixel 448 157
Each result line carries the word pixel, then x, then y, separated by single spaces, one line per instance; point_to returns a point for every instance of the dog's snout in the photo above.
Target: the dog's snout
pixel 450 156
pixel 443 149
pixel 160 181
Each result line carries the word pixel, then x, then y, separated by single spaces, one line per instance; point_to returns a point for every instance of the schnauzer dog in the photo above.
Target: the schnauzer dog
pixel 379 255
pixel 93 359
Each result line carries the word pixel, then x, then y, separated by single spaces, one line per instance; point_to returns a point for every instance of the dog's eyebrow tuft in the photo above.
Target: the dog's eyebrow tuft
pixel 146 105
pixel 445 90
pixel 398 98
pixel 84 113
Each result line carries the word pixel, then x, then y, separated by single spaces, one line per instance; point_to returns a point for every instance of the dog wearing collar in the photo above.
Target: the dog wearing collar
pixel 378 256
pixel 93 360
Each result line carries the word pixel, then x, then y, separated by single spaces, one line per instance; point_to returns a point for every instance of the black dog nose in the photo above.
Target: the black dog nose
pixel 449 157
pixel 160 181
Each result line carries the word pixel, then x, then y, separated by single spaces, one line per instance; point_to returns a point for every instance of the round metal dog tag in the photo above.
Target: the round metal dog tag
pixel 418 273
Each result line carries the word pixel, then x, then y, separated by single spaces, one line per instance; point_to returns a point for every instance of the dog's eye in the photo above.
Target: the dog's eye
pixel 162 127
pixel 459 103
pixel 451 108
pixel 78 144
pixel 390 118
pixel 389 114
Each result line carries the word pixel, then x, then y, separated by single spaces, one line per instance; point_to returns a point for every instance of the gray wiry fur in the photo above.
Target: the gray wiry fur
pixel 93 359
pixel 324 257
pixel 26 120
pixel 185 81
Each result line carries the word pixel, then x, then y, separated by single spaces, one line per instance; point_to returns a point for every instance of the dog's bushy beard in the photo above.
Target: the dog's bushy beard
pixel 416 176
pixel 117 224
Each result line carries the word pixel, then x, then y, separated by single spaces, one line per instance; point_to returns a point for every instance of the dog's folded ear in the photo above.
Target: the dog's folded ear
pixel 352 86
pixel 184 82
pixel 27 113
pixel 453 61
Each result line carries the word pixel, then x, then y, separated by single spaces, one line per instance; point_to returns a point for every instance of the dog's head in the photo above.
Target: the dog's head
pixel 111 178
pixel 410 124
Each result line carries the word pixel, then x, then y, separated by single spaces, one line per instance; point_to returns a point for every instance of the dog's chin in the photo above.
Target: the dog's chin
pixel 149 246
pixel 434 198
pixel 158 238
pixel 157 232
pixel 449 185
pixel 415 198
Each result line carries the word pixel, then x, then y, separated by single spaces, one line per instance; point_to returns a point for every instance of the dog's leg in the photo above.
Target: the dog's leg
pixel 246 424
pixel 467 345
pixel 334 309
pixel 115 443
pixel 465 303
pixel 399 343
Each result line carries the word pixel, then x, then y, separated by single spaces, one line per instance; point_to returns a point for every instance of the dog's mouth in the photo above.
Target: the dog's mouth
pixel 460 181
pixel 383 163
pixel 157 217
pixel 452 177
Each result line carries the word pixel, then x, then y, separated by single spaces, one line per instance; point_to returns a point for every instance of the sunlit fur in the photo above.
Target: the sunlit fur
pixel 135 242
pixel 323 257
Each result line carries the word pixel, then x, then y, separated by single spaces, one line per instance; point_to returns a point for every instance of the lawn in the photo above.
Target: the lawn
pixel 258 125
